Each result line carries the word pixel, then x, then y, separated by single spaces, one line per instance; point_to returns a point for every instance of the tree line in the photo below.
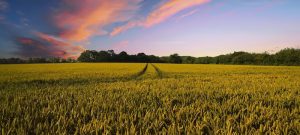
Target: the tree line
pixel 111 56
pixel 288 56
pixel 36 60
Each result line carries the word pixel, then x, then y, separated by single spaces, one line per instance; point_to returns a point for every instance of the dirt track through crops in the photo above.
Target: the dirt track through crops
pixel 158 71
pixel 139 74
pixel 144 70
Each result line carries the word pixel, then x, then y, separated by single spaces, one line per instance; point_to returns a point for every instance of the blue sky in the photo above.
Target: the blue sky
pixel 35 28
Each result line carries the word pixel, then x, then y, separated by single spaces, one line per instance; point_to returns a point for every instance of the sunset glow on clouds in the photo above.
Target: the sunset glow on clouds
pixel 46 46
pixel 163 12
pixel 168 9
pixel 78 22
pixel 70 50
pixel 81 21
pixel 65 28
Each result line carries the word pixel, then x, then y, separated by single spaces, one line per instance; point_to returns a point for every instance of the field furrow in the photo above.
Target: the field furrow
pixel 158 71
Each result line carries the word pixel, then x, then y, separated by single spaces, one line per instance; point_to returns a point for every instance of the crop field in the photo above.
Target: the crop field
pixel 107 98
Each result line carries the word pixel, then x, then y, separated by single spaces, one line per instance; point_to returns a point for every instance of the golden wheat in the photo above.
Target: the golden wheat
pixel 164 98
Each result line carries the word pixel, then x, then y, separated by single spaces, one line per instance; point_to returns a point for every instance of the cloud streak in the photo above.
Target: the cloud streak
pixel 44 45
pixel 160 14
pixel 71 50
pixel 29 47
pixel 76 22
pixel 169 9
pixel 187 14
pixel 82 20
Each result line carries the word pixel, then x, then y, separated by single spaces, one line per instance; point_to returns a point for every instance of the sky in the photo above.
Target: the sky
pixel 65 28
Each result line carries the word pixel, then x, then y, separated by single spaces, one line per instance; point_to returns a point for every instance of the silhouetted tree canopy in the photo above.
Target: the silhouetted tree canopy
pixel 36 60
pixel 111 56
pixel 288 56
pixel 188 59
pixel 175 58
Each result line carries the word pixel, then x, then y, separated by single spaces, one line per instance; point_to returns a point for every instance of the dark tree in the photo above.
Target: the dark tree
pixel 103 56
pixel 242 58
pixel 205 60
pixel 123 57
pixel 288 56
pixel 142 57
pixel 188 60
pixel 175 58
pixel 85 56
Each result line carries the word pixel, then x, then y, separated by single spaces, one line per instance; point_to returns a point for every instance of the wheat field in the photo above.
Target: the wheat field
pixel 110 98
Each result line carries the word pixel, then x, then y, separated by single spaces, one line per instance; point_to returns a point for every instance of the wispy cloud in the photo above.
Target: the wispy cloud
pixel 169 9
pixel 70 49
pixel 160 14
pixel 80 20
pixel 44 45
pixel 29 47
pixel 125 27
pixel 187 14
pixel 76 22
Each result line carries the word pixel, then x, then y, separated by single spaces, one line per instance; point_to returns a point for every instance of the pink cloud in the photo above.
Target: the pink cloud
pixel 77 21
pixel 83 19
pixel 69 49
pixel 169 9
pixel 44 45
pixel 123 28
pixel 29 47
pixel 160 14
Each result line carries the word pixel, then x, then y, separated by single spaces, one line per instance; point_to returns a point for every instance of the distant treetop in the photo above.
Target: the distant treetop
pixel 288 56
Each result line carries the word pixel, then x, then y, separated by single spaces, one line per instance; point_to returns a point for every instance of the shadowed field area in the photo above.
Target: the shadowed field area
pixel 149 99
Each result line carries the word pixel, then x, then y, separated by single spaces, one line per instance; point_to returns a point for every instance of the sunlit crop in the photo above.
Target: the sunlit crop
pixel 124 98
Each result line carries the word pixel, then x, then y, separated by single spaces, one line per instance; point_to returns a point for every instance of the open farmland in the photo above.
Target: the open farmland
pixel 111 98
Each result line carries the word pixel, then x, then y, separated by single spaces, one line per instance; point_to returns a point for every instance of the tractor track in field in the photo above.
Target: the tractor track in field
pixel 144 70
pixel 158 71
pixel 40 83
pixel 141 72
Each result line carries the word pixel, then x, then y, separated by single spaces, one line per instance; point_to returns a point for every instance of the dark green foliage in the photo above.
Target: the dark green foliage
pixel 36 60
pixel 205 60
pixel 175 58
pixel 110 56
pixel 243 58
pixel 288 56
pixel 188 59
